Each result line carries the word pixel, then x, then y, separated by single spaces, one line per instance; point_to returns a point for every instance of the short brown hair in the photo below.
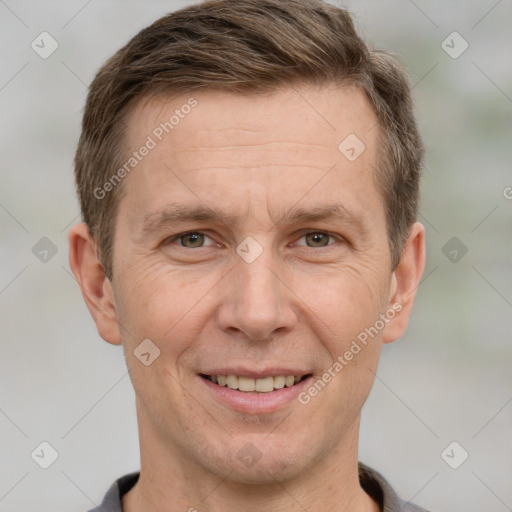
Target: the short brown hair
pixel 247 46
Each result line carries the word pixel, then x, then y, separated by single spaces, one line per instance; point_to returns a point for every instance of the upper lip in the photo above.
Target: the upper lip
pixel 255 374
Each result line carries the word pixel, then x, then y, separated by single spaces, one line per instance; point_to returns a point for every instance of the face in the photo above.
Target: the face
pixel 252 253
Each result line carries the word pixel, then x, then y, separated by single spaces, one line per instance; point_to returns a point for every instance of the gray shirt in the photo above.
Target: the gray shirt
pixel 371 481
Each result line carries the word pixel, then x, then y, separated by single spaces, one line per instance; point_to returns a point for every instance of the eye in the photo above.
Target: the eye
pixel 317 239
pixel 196 239
pixel 190 240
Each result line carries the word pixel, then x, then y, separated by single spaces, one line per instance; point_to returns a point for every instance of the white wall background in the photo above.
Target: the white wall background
pixel 449 379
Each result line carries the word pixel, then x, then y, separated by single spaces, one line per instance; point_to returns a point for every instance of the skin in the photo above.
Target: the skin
pixel 299 304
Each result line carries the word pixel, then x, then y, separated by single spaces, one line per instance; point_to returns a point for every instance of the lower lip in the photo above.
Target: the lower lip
pixel 255 403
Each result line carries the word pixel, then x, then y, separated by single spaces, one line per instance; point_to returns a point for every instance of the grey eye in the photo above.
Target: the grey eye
pixel 195 239
pixel 317 239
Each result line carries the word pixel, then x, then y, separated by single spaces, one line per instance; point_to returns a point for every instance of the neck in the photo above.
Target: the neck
pixel 170 482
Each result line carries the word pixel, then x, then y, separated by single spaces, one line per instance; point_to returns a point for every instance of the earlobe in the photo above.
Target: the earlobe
pixel 404 282
pixel 96 288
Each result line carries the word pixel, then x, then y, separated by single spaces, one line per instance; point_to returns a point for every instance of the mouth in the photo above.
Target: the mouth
pixel 254 392
pixel 256 385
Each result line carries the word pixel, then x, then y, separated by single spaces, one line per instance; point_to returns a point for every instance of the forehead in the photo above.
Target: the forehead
pixel 314 116
pixel 275 148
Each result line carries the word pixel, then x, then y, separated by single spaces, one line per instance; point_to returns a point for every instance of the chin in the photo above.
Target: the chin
pixel 259 460
pixel 267 472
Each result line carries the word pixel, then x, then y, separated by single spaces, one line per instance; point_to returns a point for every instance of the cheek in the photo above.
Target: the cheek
pixel 163 304
pixel 160 305
pixel 342 304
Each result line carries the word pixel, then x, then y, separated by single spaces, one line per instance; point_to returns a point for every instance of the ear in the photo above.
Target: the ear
pixel 405 281
pixel 95 286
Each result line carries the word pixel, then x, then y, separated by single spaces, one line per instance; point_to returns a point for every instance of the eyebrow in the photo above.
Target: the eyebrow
pixel 175 213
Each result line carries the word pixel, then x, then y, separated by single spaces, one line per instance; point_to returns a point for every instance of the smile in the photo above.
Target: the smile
pixel 251 385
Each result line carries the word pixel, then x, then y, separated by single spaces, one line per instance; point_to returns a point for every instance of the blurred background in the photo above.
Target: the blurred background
pixel 438 423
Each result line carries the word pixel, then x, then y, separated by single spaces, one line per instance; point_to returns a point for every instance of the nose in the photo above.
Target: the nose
pixel 256 300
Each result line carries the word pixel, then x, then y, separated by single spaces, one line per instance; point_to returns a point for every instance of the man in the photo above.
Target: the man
pixel 248 176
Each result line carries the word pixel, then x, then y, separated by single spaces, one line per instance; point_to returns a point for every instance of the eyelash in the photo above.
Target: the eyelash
pixel 174 238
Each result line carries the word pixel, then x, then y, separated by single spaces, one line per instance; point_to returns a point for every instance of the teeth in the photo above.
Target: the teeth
pixel 279 382
pixel 263 385
pixel 232 382
pixel 246 384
